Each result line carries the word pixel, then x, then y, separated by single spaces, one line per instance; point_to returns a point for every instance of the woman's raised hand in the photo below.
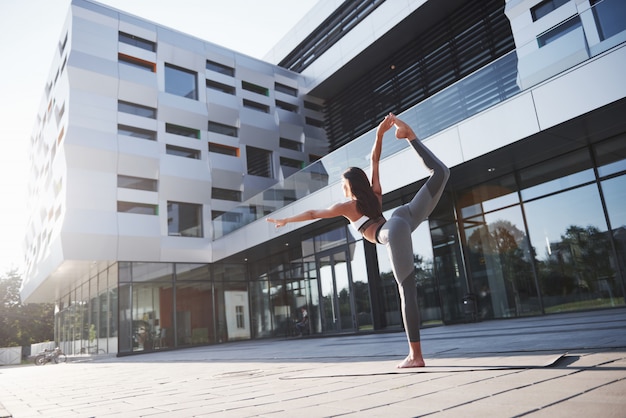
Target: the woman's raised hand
pixel 386 124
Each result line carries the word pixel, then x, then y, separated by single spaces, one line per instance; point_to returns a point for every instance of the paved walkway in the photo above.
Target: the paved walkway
pixel 566 365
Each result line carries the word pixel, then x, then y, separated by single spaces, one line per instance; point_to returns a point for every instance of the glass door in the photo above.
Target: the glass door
pixel 336 292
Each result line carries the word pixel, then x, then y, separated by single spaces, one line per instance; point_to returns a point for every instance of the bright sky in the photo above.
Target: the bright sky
pixel 29 34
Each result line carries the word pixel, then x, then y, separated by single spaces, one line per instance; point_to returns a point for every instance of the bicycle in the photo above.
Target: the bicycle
pixel 48 356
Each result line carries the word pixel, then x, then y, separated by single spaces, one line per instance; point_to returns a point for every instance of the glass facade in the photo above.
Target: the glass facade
pixel 548 238
pixel 545 237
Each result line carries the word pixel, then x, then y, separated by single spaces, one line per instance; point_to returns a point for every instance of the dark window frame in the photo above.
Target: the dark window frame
pixel 136 62
pixel 133 40
pixel 135 132
pixel 183 152
pixel 259 107
pixel 223 149
pixel 283 88
pixel 220 68
pixel 136 109
pixel 223 129
pixel 193 95
pixel 259 162
pixel 174 129
pixel 226 194
pixel 255 88
pixel 221 87
pixel 137 183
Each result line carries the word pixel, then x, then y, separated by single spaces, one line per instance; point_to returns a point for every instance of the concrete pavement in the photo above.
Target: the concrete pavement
pixel 564 365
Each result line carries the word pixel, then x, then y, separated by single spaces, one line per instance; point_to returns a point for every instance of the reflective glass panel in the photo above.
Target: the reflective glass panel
pixel 194 314
pixel 611 156
pixel 151 312
pixel 360 285
pixel 181 82
pixel 552 176
pixel 500 263
pixel 568 234
pixel 615 197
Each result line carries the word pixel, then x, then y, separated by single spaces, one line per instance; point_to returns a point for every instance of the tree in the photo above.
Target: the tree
pixel 21 324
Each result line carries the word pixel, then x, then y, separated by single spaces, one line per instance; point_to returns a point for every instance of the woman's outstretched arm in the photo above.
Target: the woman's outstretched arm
pixel 383 127
pixel 332 212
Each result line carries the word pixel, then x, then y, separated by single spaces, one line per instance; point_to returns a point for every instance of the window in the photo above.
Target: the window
pixel 226 194
pixel 314 122
pixel 259 162
pixel 286 106
pixel 137 208
pixel 184 219
pixel 220 68
pixel 223 149
pixel 170 128
pixel 313 106
pixel 289 162
pixel 224 88
pixel 558 31
pixel 256 106
pixel 241 324
pixel 286 89
pixel 255 88
pixel 181 82
pixel 136 132
pixel 220 128
pixel 182 152
pixel 610 17
pixel 136 62
pixel 136 183
pixel 290 144
pixel 137 41
pixel 545 7
pixel 136 109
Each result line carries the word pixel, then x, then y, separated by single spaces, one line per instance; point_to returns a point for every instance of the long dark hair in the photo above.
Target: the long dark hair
pixel 367 202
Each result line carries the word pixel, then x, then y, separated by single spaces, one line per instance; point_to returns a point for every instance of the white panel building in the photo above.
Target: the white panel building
pixel 157 156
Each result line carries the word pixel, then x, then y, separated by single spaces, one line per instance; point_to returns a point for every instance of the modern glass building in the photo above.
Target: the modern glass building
pixel 157 156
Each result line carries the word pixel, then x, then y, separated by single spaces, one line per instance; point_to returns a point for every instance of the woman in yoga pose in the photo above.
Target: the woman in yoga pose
pixel 364 211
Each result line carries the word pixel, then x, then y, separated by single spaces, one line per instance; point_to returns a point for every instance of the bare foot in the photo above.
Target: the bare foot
pixel 409 362
pixel 403 130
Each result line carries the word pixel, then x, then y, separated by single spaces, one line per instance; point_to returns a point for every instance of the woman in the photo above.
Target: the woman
pixel 364 211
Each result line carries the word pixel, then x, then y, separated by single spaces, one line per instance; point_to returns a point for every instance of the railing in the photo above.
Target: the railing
pixel 492 84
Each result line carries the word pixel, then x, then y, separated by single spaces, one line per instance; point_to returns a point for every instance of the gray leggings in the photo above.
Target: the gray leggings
pixel 395 234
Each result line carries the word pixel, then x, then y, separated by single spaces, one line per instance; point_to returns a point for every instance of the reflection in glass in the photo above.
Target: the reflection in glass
pixel 261 316
pixel 575 267
pixel 194 314
pixel 344 296
pixel 615 195
pixel 360 285
pixel 330 314
pixel 181 82
pixel 232 302
pixel 574 168
pixel 610 16
pixel 146 314
pixel 611 156
pixel 500 262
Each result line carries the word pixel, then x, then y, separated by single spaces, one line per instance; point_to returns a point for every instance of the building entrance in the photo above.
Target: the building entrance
pixel 337 299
